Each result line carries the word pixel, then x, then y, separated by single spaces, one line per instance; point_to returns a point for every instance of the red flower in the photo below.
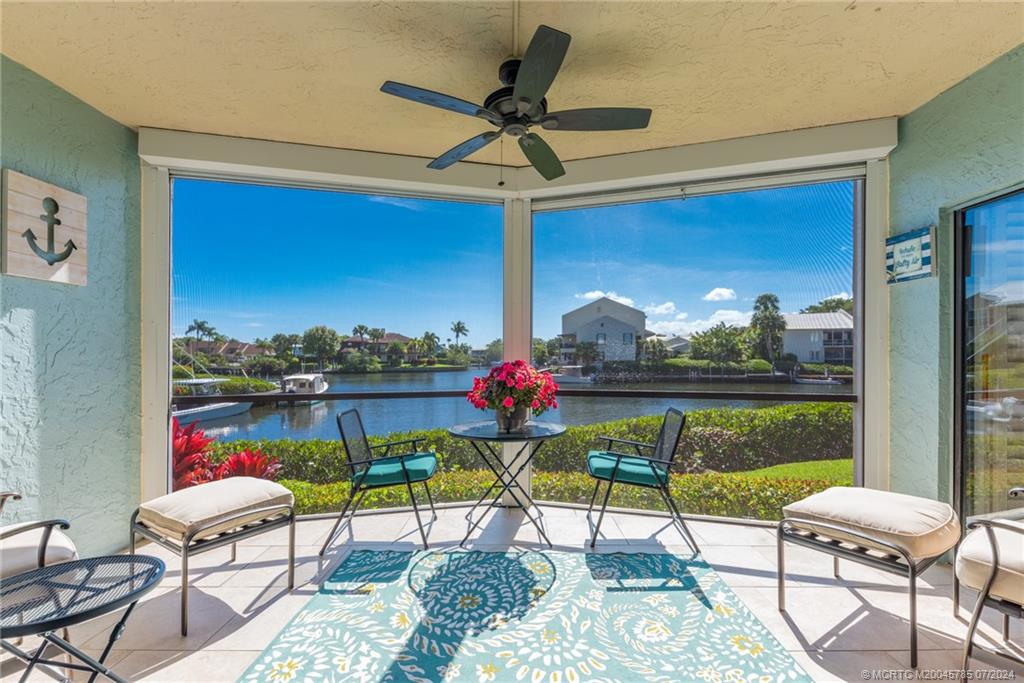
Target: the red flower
pixel 190 459
pixel 514 383
pixel 248 464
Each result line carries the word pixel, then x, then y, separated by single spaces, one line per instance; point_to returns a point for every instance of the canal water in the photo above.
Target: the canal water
pixel 394 415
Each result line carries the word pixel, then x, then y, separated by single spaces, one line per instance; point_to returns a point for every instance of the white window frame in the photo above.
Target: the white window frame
pixel 778 159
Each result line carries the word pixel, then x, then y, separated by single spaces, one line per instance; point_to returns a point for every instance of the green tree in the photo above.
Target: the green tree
pixel 554 348
pixel 459 329
pixel 830 305
pixel 494 351
pixel 360 361
pixel 395 353
pixel 265 365
pixel 284 343
pixel 721 343
pixel 376 334
pixel 587 353
pixel 767 325
pixel 430 342
pixel 320 342
pixel 656 350
pixel 414 347
pixel 202 330
pixel 539 352
pixel 360 331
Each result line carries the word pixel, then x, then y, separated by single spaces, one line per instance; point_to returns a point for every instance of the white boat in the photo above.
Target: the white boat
pixel 816 380
pixel 571 374
pixel 209 411
pixel 313 383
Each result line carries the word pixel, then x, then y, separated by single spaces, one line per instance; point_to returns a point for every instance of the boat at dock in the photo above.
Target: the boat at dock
pixel 209 411
pixel 571 374
pixel 311 383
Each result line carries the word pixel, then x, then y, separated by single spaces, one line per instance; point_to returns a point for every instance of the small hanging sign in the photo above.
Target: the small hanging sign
pixel 44 230
pixel 909 256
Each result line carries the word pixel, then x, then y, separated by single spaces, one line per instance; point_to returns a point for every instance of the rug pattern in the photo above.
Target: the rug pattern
pixel 552 617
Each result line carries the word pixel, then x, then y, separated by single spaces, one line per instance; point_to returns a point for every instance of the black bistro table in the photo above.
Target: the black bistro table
pixel 45 600
pixel 486 437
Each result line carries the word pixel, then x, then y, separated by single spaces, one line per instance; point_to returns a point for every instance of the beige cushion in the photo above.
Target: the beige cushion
pixel 974 562
pixel 20 553
pixel 178 514
pixel 921 527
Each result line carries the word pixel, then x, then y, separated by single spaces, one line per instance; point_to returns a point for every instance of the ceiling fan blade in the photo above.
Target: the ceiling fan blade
pixel 540 65
pixel 541 156
pixel 598 118
pixel 439 100
pixel 464 149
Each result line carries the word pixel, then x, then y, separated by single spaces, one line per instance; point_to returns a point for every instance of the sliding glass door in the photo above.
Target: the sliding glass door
pixel 991 350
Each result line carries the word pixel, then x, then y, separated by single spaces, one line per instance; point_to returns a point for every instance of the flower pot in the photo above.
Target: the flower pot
pixel 514 421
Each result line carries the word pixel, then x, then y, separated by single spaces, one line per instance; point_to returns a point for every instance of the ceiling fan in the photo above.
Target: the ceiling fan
pixel 520 104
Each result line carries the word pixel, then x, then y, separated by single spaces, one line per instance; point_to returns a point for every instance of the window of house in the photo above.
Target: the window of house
pixel 627 337
pixel 601 336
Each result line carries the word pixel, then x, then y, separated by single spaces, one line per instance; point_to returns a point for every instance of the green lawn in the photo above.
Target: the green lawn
pixel 839 472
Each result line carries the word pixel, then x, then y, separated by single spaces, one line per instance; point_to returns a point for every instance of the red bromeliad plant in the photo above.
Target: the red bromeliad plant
pixel 514 384
pixel 192 465
pixel 191 461
pixel 248 464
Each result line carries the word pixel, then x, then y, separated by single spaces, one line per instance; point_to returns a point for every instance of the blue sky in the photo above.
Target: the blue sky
pixel 254 260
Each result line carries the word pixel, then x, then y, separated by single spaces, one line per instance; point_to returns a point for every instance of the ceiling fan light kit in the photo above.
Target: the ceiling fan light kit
pixel 521 104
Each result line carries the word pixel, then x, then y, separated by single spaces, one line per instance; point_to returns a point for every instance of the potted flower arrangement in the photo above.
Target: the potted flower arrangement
pixel 514 390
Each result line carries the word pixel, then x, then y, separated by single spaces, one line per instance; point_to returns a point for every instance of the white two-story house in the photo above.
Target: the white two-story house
pixel 612 326
pixel 819 337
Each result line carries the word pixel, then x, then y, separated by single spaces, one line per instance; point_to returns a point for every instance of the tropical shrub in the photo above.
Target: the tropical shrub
pixel 719 439
pixel 248 463
pixel 189 456
pixel 729 495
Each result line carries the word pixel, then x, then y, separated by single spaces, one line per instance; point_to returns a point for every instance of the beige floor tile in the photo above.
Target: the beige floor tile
pixel 711 533
pixel 947 660
pixel 836 667
pixel 809 567
pixel 11 668
pixel 256 629
pixel 208 666
pixel 739 566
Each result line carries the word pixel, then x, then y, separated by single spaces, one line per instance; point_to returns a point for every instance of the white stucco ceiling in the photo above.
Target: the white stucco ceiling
pixel 310 72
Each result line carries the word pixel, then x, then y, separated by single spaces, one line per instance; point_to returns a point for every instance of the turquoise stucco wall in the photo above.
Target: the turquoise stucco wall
pixel 70 426
pixel 964 145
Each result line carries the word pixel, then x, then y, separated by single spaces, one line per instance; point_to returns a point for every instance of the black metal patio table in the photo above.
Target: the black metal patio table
pixel 43 601
pixel 484 436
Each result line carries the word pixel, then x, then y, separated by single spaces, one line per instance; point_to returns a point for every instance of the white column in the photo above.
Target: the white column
pixel 517 329
pixel 156 330
pixel 874 320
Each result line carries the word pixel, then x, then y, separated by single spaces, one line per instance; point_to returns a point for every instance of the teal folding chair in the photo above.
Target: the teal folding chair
pixel 369 472
pixel 648 467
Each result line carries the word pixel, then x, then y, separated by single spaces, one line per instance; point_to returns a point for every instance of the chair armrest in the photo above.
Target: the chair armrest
pixel 1016 492
pixel 637 445
pixel 387 446
pixel 4 495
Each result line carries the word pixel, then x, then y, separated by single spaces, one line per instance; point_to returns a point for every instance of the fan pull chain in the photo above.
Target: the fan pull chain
pixel 501 162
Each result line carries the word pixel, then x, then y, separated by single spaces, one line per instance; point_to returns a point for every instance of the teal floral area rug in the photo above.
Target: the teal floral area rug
pixel 536 616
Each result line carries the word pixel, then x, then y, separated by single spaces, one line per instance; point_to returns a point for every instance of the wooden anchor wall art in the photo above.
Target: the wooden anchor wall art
pixel 44 230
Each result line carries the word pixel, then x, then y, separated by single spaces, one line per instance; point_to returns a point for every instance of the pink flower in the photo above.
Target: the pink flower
pixel 508 402
pixel 535 404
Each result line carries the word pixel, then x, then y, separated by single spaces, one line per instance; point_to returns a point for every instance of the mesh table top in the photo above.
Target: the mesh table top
pixel 50 598
pixel 488 431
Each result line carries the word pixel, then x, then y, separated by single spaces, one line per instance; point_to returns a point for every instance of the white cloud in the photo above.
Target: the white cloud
pixel 840 295
pixel 667 308
pixel 400 202
pixel 253 325
pixel 595 294
pixel 683 327
pixel 720 294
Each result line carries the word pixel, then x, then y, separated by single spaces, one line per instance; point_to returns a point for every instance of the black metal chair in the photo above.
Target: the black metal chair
pixel 649 469
pixel 369 472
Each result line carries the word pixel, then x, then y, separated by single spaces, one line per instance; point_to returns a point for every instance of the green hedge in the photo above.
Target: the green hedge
pixel 718 439
pixel 243 385
pixel 683 366
pixel 820 368
pixel 729 495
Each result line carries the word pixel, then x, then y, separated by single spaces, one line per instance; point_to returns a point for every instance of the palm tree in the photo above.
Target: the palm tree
pixel 201 328
pixel 360 331
pixel 459 329
pixel 376 334
pixel 430 342
pixel 412 348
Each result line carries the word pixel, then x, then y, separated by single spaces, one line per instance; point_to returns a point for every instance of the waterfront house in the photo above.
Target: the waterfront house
pixel 612 326
pixel 819 337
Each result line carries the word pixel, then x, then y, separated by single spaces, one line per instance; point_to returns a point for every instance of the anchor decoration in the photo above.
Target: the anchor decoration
pixel 51 207
pixel 62 254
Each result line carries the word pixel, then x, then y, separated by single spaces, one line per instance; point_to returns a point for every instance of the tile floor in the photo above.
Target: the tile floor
pixel 835 629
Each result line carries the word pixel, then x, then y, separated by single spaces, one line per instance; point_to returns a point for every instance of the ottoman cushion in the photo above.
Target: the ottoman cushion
pixel 921 527
pixel 974 561
pixel 178 514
